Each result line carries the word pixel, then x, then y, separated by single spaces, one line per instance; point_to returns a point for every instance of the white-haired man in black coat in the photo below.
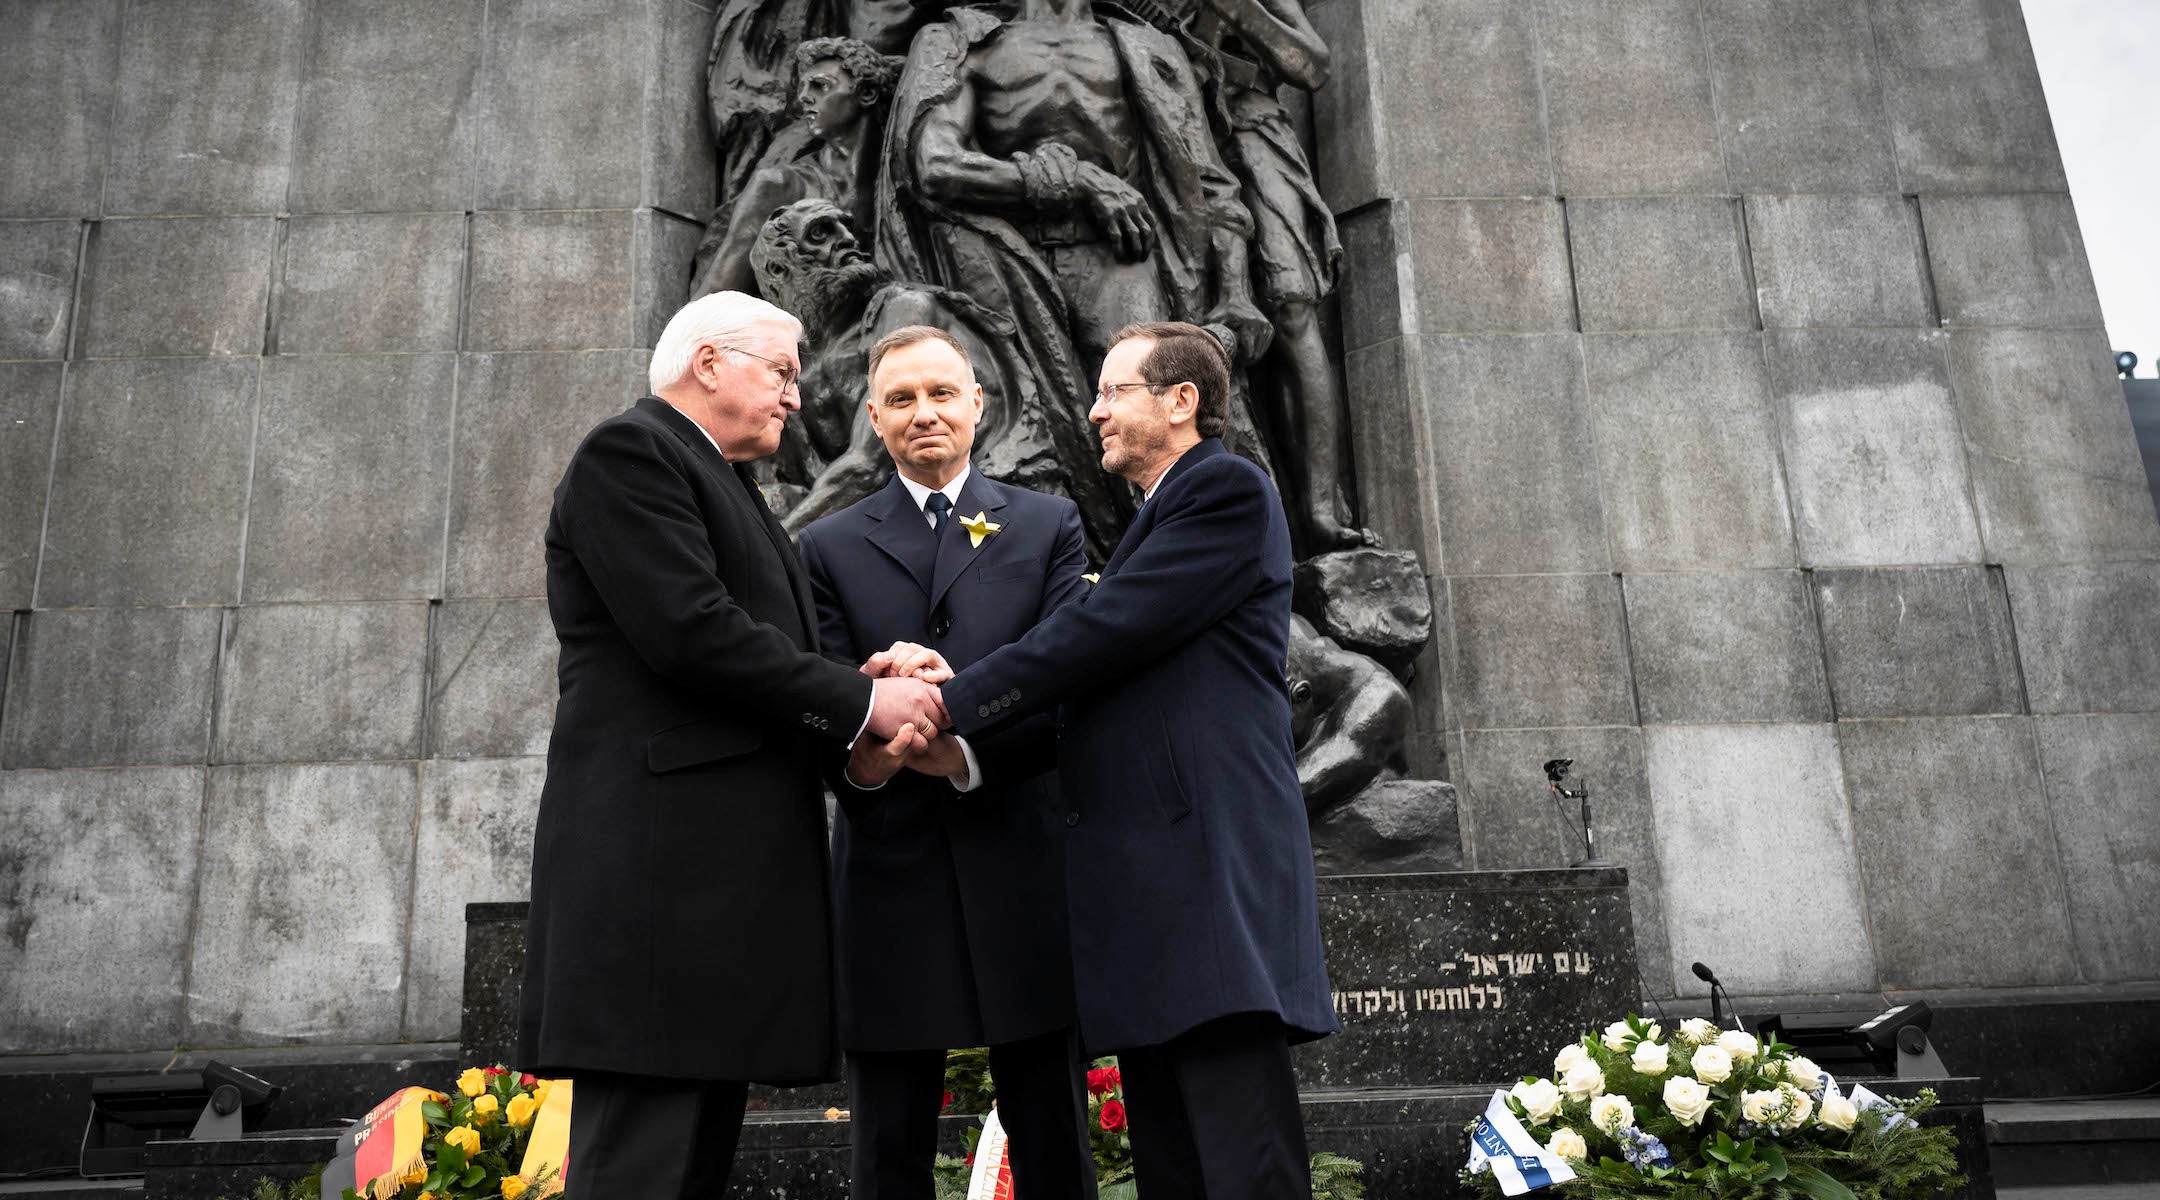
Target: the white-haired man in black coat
pixel 679 945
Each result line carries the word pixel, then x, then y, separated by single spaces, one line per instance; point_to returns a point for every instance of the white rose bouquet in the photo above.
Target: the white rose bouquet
pixel 1710 1113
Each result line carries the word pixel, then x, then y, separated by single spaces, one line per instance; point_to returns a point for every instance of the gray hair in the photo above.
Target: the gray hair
pixel 722 320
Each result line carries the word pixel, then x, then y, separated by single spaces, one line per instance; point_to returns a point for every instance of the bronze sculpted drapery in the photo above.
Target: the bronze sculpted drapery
pixel 1032 175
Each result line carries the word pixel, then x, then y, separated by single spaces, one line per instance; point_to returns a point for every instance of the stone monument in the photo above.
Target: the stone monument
pixel 1731 371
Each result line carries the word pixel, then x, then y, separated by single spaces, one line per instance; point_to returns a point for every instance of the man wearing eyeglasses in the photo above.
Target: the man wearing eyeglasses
pixel 679 945
pixel 1195 928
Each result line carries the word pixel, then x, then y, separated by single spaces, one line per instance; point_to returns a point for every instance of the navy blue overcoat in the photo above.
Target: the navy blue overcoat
pixel 1188 863
pixel 950 908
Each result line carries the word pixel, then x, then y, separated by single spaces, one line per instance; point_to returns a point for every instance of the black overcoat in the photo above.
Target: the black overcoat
pixel 681 921
pixel 1188 862
pixel 950 906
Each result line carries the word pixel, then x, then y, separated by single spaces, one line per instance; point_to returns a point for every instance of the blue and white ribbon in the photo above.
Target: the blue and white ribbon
pixel 1864 1100
pixel 1499 1141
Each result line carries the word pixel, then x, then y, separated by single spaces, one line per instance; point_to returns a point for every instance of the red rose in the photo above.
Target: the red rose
pixel 496 1071
pixel 948 1100
pixel 1101 1080
pixel 526 1082
pixel 1113 1116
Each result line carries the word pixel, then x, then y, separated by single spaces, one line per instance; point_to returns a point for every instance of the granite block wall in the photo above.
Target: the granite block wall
pixel 1736 367
pixel 302 307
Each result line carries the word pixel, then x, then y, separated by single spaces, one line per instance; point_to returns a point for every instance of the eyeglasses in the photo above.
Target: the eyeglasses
pixel 786 373
pixel 1107 393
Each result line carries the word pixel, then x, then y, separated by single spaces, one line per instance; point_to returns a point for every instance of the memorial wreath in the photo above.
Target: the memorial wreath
pixel 1711 1114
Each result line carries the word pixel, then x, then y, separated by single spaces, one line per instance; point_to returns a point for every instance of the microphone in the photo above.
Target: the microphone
pixel 1709 976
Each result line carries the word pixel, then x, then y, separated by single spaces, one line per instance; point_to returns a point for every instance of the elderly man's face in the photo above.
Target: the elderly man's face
pixel 823 239
pixel 827 94
pixel 752 391
pixel 925 403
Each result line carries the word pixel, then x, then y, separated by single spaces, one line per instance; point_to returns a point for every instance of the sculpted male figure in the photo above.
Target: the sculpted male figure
pixel 681 832
pixel 1260 45
pixel 1059 167
pixel 950 884
pixel 1196 937
pixel 843 88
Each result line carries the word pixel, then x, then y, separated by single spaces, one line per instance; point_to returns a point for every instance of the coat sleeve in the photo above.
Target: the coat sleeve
pixel 837 641
pixel 628 512
pixel 1199 562
pixel 1029 747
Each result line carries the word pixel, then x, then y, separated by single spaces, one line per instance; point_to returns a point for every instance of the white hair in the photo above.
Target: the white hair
pixel 724 320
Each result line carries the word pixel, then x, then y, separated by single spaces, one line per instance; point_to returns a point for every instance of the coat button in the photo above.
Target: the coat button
pixel 943 627
pixel 982 710
pixel 1072 819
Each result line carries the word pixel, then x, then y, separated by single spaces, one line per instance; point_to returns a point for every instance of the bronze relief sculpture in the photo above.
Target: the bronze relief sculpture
pixel 1031 176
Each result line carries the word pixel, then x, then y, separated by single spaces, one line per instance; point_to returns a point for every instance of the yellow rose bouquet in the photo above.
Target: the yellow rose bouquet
pixel 1703 1114
pixel 476 1143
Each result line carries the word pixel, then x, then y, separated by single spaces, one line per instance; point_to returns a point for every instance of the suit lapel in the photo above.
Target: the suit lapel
pixel 902 532
pixel 956 549
pixel 1142 524
pixel 798 581
pixel 751 498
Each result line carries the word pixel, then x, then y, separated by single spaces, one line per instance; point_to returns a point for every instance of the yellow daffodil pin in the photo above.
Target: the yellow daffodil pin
pixel 979 527
pixel 1092 577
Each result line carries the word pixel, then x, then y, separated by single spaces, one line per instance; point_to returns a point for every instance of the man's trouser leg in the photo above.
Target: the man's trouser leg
pixel 1215 1115
pixel 1042 1103
pixel 639 1138
pixel 894 1097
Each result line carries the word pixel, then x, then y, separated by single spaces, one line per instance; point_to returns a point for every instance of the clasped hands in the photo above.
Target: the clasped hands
pixel 907 718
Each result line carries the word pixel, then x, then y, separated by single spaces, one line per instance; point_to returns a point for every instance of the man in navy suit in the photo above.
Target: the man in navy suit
pixel 949 879
pixel 1195 928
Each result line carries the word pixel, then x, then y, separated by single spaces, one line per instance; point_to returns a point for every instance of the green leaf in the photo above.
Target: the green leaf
pixel 449 1161
pixel 1774 1159
pixel 1816 1184
pixel 1128 1190
pixel 472 1176
pixel 434 1113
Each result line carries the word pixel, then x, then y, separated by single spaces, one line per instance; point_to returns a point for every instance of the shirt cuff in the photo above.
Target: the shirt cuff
pixel 862 787
pixel 973 779
pixel 867 710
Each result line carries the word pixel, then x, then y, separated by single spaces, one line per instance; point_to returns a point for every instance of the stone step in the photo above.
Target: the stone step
pixel 47 1097
pixel 2088 1191
pixel 74 1187
pixel 2068 1143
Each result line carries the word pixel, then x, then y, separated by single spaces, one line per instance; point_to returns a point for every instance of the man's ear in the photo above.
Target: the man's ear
pixel 1184 403
pixel 705 366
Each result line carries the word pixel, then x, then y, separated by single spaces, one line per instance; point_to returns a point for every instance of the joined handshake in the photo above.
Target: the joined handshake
pixel 907 719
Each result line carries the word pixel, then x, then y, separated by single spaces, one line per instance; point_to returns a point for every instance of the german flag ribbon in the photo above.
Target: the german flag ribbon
pixel 547 1154
pixel 382 1148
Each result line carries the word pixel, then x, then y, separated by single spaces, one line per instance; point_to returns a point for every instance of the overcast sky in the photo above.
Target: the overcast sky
pixel 2100 63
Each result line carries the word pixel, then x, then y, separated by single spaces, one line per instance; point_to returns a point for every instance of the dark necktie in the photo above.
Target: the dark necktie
pixel 937 506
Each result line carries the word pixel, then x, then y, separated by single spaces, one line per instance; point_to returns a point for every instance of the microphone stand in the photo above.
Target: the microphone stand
pixel 1709 976
pixel 1556 771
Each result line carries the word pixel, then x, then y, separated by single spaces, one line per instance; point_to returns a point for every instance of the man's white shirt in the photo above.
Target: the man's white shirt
pixel 920 492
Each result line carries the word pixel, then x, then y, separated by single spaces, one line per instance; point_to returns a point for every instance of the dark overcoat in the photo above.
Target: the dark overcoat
pixel 681 920
pixel 950 906
pixel 1188 862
